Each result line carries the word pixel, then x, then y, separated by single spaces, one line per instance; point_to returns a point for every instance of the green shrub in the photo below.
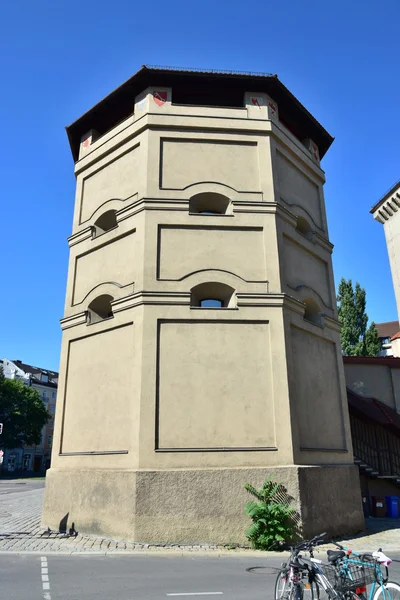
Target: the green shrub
pixel 271 518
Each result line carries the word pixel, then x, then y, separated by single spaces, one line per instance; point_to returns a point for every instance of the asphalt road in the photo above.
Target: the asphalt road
pixel 128 578
pixel 20 486
pixel 136 577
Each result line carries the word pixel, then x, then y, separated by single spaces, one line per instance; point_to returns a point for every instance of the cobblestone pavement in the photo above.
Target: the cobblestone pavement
pixel 20 532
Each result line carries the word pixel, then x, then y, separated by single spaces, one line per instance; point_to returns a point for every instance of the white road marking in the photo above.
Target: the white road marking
pixel 45 578
pixel 197 594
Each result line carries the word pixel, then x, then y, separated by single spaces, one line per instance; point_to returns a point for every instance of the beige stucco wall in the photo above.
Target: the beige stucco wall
pixel 392 235
pixel 198 506
pixel 387 213
pixel 377 381
pixel 166 399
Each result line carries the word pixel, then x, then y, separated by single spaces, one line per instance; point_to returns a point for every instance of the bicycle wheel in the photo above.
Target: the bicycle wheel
pixel 286 590
pixel 388 591
pixel 283 586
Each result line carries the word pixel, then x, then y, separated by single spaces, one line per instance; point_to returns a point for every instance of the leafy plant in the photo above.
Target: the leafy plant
pixel 271 518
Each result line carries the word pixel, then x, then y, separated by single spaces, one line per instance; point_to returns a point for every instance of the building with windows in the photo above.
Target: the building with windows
pixel 386 332
pixel 32 458
pixel 201 345
pixel 387 212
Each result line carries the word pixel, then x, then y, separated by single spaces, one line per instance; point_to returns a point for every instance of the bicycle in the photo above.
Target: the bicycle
pixel 364 570
pixel 322 579
pixel 290 584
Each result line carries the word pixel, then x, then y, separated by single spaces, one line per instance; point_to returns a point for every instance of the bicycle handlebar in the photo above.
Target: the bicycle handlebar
pixel 309 544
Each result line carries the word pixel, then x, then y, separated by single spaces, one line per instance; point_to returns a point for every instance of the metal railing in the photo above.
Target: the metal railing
pixel 376 446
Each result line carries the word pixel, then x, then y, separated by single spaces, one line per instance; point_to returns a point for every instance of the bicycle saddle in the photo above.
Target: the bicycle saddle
pixel 334 555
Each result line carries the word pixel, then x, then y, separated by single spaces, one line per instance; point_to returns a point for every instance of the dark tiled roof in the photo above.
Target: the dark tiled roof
pixel 195 87
pixel 387 329
pixel 388 361
pixel 36 373
pixel 390 192
pixel 374 410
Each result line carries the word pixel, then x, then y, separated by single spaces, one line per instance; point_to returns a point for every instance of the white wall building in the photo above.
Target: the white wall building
pixel 32 458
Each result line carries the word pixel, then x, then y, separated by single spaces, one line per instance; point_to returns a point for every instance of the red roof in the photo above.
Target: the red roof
pixel 395 337
pixel 387 329
pixel 374 410
pixel 388 361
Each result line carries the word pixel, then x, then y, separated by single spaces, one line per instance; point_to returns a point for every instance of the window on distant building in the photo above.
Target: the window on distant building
pixel 49 440
pixel 44 377
pixel 27 462
pixel 385 340
pixel 44 395
pixel 53 395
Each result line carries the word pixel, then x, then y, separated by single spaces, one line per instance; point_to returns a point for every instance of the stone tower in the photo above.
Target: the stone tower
pixel 200 338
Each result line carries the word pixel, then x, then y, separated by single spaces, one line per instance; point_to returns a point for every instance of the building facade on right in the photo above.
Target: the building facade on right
pixel 386 331
pixel 387 212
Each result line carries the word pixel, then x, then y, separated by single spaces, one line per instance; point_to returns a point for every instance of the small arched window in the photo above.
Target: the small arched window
pixel 213 295
pixel 211 303
pixel 105 222
pixel 312 312
pixel 100 309
pixel 304 227
pixel 209 203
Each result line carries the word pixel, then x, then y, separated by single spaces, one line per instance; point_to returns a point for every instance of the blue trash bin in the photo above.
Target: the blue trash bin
pixel 392 506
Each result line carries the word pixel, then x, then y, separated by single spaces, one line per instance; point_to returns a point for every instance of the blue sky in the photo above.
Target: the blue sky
pixel 57 59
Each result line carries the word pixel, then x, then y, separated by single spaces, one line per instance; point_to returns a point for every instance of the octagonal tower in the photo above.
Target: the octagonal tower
pixel 200 343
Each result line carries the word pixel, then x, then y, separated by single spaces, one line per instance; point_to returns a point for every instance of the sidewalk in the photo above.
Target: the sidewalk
pixel 20 532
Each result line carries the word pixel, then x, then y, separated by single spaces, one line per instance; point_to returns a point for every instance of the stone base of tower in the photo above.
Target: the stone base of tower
pixel 196 506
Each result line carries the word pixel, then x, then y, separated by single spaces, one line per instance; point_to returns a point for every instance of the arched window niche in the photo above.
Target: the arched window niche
pixel 304 227
pixel 209 203
pixel 105 222
pixel 312 312
pixel 100 309
pixel 212 295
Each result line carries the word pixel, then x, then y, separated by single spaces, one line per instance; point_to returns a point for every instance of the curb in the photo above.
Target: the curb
pixel 147 553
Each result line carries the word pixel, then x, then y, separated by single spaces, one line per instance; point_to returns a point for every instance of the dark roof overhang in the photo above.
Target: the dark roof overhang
pixel 210 88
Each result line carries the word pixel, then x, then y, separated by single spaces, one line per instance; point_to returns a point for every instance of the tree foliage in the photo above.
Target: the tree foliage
pixel 356 338
pixel 22 413
pixel 271 519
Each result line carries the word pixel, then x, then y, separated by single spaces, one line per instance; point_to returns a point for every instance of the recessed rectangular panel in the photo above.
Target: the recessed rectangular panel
pixel 185 250
pixel 215 386
pixel 99 393
pixel 113 262
pixel 296 188
pixel 116 179
pixel 185 162
pixel 304 268
pixel 316 392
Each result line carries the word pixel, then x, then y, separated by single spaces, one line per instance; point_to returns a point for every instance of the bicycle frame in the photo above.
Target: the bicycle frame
pixel 380 579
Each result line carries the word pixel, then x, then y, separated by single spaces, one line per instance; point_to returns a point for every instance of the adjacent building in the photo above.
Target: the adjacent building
pixel 32 458
pixel 386 332
pixel 201 345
